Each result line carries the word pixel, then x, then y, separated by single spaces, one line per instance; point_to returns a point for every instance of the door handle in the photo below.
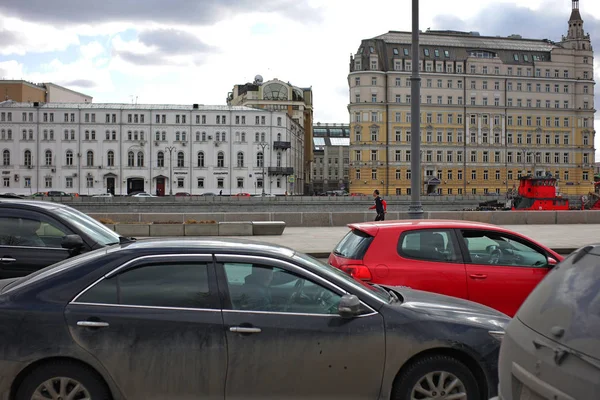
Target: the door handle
pixel 244 329
pixel 8 260
pixel 478 276
pixel 92 324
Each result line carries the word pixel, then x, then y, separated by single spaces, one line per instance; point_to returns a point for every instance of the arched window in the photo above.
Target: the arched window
pixel 223 138
pixel 177 136
pixel 180 159
pixel 45 134
pixel 3 134
pixel 160 159
pixel 217 136
pixel 220 160
pixel 130 159
pixel 279 137
pixel 87 135
pixel 141 135
pixel 201 159
pixel 110 158
pixel 262 137
pixel 157 136
pixel 240 159
pixel 48 157
pixel 140 159
pixel 9 134
pixel 51 134
pixel 183 136
pixel 107 135
pixel 279 159
pixel 24 134
pixel 260 159
pixel 243 137
pixel 135 135
pixel 31 134
pixel 237 136
pixel 6 157
pixel 197 136
pixel 66 134
pixel 257 137
pixel 27 158
pixel 69 157
pixel 164 136
pixel 90 158
pixel 129 135
pixel 72 134
pixel 204 136
pixel 114 134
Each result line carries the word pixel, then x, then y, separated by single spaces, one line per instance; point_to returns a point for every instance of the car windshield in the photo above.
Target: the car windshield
pixel 53 269
pixel 94 229
pixel 360 286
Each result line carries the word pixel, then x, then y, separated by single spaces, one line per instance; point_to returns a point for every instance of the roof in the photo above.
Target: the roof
pixel 126 106
pixel 67 89
pixel 469 41
pixel 212 245
pixel 47 205
pixel 373 227
pixel 575 15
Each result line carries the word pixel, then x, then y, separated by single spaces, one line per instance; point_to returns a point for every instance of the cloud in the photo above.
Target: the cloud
pixel 172 41
pixel 187 12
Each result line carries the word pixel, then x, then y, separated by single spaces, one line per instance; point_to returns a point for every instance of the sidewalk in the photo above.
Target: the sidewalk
pixel 319 242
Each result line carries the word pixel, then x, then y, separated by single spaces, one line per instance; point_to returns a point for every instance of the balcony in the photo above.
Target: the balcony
pixel 281 171
pixel 279 145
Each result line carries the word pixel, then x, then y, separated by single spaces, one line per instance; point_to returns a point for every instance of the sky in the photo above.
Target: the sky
pixel 195 51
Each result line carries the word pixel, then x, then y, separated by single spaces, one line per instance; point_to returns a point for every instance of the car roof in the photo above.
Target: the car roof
pixel 210 245
pixel 373 227
pixel 32 204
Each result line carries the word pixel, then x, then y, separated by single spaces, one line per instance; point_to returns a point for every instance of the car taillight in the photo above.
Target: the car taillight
pixel 356 271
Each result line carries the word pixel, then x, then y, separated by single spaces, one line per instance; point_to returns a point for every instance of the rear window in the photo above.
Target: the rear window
pixel 354 245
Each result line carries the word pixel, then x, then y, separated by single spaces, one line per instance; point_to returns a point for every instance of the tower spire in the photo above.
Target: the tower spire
pixel 575 23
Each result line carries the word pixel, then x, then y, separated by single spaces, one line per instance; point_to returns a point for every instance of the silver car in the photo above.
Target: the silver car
pixel 551 350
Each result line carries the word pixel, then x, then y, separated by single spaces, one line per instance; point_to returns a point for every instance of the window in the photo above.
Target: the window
pixel 6 158
pixel 160 159
pixel 180 182
pixel 478 246
pixel 220 159
pixel 140 159
pixel 180 159
pixel 428 245
pixel 48 182
pixel 174 285
pixel 240 159
pixel 48 157
pixel 130 159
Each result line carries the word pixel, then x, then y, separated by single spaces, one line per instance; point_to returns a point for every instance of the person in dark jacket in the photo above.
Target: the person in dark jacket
pixel 378 207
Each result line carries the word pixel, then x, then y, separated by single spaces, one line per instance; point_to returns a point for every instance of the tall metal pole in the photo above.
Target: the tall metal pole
pixel 263 145
pixel 170 150
pixel 415 210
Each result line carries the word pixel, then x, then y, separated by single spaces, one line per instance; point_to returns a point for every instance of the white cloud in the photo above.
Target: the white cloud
pixel 11 70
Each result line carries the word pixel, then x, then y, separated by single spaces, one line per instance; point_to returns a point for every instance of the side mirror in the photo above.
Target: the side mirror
pixel 349 306
pixel 552 262
pixel 73 243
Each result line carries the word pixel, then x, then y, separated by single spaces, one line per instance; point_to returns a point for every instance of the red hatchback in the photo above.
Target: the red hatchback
pixel 475 261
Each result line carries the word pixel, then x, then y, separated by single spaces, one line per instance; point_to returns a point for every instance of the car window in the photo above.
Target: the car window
pixel 254 287
pixel 29 232
pixel 354 245
pixel 94 229
pixel 428 245
pixel 493 248
pixel 176 285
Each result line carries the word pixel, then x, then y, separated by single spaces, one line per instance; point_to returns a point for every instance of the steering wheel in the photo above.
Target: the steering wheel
pixel 495 256
pixel 297 292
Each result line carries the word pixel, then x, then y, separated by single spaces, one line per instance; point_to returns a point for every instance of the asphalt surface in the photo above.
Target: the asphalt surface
pixel 319 242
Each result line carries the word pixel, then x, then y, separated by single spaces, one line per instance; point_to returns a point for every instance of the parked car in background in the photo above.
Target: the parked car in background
pixel 143 194
pixel 242 195
pixel 35 234
pixel 208 194
pixel 58 193
pixel 479 262
pixel 182 194
pixel 552 347
pixel 103 195
pixel 11 196
pixel 264 195
pixel 219 304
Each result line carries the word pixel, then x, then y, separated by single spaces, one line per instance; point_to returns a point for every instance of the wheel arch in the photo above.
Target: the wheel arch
pixel 458 354
pixel 38 363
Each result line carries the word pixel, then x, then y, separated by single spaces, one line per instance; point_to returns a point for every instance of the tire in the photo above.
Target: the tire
pixel 415 377
pixel 50 373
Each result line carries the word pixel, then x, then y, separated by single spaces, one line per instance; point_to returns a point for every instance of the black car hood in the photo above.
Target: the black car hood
pixel 450 307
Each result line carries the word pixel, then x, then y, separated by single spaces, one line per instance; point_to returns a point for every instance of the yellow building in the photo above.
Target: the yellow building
pixel 492 109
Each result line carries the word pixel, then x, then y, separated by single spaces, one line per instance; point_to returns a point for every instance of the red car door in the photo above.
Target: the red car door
pixel 502 269
pixel 423 259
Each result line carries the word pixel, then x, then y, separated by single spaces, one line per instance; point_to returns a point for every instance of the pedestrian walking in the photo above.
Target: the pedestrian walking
pixel 379 206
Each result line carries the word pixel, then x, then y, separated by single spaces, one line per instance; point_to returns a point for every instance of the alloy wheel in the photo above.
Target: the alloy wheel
pixel 439 385
pixel 61 388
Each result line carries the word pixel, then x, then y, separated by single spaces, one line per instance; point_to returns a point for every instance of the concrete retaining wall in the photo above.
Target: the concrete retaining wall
pixel 318 219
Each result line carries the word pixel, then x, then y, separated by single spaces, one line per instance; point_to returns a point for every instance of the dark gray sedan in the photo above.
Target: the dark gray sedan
pixel 187 319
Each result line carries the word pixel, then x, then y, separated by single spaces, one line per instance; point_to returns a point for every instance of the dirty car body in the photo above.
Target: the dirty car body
pixel 182 319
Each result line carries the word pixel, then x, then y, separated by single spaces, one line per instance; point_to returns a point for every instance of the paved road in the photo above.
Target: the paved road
pixel 320 241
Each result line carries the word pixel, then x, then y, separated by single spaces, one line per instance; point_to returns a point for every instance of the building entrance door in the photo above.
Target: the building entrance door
pixel 110 185
pixel 160 186
pixel 135 185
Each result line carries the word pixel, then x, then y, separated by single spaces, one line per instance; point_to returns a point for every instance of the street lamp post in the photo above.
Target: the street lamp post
pixel 415 209
pixel 170 150
pixel 263 145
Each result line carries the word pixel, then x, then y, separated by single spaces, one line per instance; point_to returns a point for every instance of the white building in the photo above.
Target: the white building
pixel 91 148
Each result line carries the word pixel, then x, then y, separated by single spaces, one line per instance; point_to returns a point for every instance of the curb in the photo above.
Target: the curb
pixel 563 251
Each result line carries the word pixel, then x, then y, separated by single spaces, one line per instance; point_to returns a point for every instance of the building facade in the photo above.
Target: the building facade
pixel 331 148
pixel 493 109
pixel 25 92
pixel 281 96
pixel 123 148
